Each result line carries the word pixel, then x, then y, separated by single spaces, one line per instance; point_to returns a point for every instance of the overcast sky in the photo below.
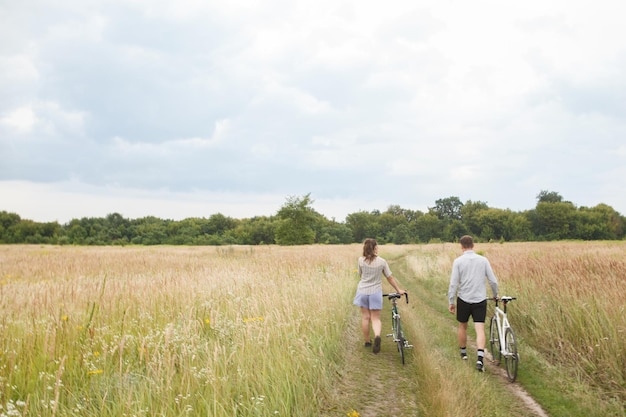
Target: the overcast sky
pixel 190 108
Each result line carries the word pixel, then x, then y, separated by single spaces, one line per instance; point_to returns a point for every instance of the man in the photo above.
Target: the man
pixel 468 284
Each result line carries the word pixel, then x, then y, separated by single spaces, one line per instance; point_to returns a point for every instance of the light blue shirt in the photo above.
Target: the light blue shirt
pixel 468 278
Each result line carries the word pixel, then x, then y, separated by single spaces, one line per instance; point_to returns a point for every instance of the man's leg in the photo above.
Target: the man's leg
pixel 462 317
pixel 462 334
pixel 480 345
pixel 480 335
pixel 479 314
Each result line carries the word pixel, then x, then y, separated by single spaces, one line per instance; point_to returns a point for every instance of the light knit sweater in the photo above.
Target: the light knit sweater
pixel 372 275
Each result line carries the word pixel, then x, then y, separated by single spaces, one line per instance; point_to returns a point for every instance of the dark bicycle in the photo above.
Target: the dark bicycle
pixel 396 324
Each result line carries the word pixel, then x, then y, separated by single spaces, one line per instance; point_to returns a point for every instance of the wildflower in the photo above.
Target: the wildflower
pixel 95 372
pixel 207 321
pixel 96 354
pixel 353 413
pixel 251 319
pixel 64 318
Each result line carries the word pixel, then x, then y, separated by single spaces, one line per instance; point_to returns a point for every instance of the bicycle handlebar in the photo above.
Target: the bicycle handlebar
pixel 393 295
pixel 505 299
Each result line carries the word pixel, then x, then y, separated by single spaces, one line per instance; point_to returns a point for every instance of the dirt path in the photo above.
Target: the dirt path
pixel 366 382
pixel 380 386
pixel 515 388
pixel 373 385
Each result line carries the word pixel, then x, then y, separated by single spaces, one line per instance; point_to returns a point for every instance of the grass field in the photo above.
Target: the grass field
pixel 569 316
pixel 260 331
pixel 170 331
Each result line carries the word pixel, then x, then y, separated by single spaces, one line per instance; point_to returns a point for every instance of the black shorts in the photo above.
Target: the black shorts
pixel 464 310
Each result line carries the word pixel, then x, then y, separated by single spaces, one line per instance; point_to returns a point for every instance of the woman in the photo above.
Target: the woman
pixel 369 293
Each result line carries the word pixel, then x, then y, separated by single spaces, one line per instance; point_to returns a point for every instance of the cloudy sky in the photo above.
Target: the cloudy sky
pixel 190 108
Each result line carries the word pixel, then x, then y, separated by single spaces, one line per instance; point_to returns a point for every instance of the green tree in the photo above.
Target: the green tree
pixel 553 220
pixel 454 230
pixel 335 233
pixel 427 228
pixel 255 231
pixel 218 224
pixel 149 230
pixel 590 225
pixel 184 232
pixel 7 221
pixel 28 231
pixel 615 223
pixel 114 228
pixel 518 228
pixel 470 215
pixel 297 219
pixel 75 232
pixel 546 196
pixel 401 234
pixel 389 223
pixel 363 225
pixel 447 209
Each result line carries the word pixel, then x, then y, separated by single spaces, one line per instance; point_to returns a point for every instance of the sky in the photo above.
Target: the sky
pixel 190 108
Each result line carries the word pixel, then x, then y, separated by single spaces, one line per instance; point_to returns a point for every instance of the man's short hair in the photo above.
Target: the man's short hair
pixel 467 242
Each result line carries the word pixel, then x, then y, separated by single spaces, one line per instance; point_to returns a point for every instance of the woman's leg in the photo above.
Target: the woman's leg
pixel 376 324
pixel 365 324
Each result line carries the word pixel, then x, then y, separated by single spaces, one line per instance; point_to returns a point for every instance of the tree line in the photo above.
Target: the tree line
pixel 297 223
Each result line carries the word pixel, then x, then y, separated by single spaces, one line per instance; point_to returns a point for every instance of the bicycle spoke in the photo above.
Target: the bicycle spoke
pixel 494 341
pixel 400 340
pixel 511 359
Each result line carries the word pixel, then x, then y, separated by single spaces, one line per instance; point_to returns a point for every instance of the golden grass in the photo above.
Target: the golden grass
pixel 571 303
pixel 255 331
pixel 171 330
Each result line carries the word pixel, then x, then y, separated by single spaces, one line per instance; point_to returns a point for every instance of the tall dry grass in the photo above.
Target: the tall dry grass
pixel 571 304
pixel 226 331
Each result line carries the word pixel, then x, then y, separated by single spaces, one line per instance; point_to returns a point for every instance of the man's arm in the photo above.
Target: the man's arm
pixel 454 284
pixel 493 281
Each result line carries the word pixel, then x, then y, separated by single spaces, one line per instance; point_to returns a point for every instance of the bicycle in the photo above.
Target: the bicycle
pixel 396 324
pixel 500 329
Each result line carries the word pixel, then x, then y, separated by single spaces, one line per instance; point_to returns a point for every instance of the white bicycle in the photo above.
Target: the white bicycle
pixel 501 330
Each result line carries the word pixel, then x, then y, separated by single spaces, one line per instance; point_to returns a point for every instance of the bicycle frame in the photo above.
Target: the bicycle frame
pixel 502 339
pixel 396 324
pixel 503 323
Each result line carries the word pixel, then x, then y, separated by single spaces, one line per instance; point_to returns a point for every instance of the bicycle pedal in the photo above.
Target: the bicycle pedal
pixel 407 346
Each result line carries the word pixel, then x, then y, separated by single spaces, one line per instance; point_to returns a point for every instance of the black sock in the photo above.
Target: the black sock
pixel 481 354
pixel 464 351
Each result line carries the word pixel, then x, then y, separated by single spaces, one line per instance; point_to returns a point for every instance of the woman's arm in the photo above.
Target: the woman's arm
pixel 395 285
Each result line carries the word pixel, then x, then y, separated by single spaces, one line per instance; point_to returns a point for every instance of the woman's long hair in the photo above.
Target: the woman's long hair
pixel 369 248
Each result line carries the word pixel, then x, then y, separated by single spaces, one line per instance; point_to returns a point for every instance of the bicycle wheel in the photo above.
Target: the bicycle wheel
pixel 400 340
pixel 511 358
pixel 494 341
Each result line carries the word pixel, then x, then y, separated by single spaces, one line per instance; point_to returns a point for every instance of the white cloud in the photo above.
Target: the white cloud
pixel 128 147
pixel 484 100
pixel 47 118
pixel 21 120
pixel 65 201
pixel 19 68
